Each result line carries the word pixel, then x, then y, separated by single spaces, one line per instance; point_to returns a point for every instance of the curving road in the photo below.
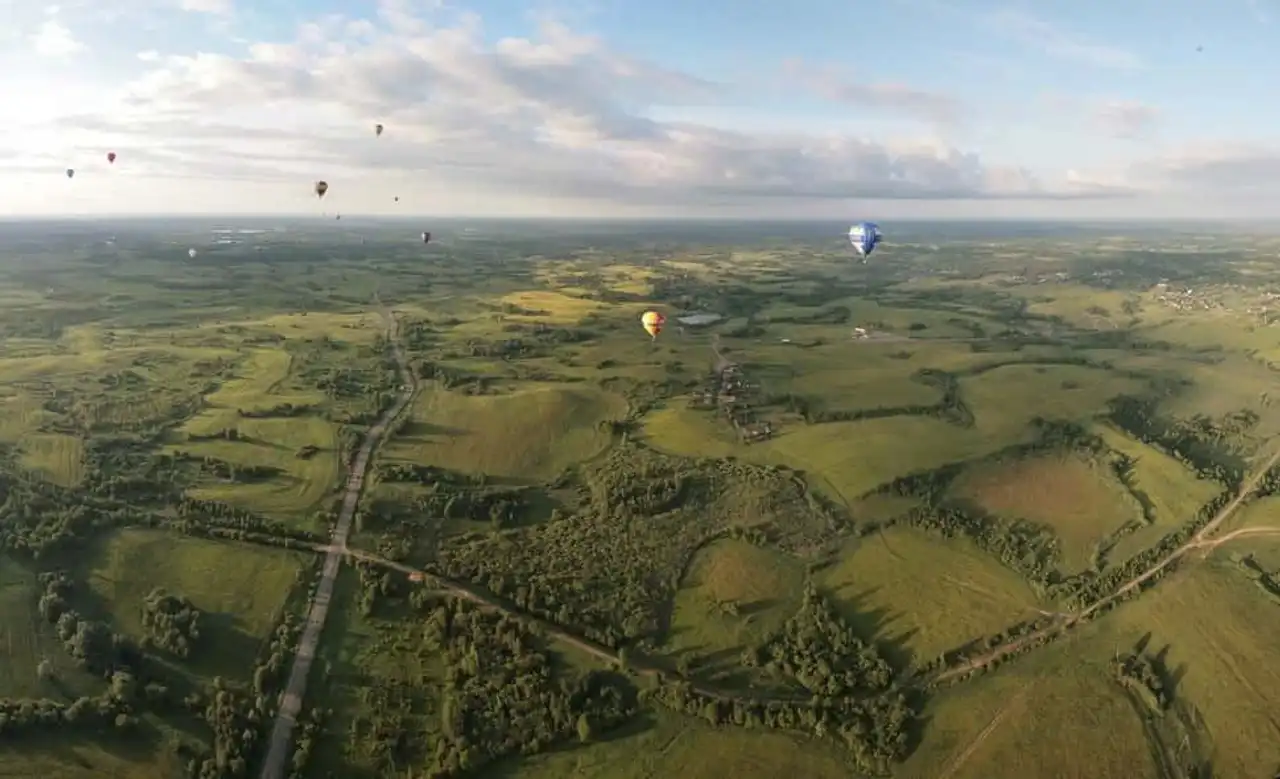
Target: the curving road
pixel 278 749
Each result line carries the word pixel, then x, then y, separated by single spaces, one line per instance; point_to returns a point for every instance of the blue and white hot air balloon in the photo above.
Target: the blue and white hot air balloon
pixel 865 237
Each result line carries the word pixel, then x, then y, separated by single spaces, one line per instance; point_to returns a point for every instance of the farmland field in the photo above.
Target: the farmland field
pixel 840 531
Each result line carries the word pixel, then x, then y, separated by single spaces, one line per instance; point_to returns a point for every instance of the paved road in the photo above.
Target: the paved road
pixel 279 748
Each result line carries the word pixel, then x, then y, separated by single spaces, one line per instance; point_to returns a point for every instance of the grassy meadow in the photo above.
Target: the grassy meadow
pixel 1020 420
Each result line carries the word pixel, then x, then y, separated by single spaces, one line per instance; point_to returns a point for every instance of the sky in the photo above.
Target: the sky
pixel 758 109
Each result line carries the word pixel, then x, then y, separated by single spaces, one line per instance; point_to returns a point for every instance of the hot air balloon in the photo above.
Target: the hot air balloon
pixel 191 253
pixel 377 129
pixel 397 198
pixel 426 237
pixel 71 173
pixel 865 237
pixel 653 322
pixel 321 188
pixel 111 156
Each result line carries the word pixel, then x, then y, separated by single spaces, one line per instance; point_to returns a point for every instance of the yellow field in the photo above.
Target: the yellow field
pixel 57 457
pixel 763 586
pixel 679 746
pixel 531 433
pixel 1083 503
pixel 927 594
pixel 257 385
pixel 241 588
pixel 561 309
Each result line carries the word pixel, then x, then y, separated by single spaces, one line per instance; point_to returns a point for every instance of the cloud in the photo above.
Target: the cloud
pixel 1035 33
pixel 212 7
pixel 1127 118
pixel 555 115
pixel 150 55
pixel 900 98
pixel 55 40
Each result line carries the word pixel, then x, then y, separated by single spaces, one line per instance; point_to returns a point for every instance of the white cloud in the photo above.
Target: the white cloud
pixel 555 116
pixel 1127 118
pixel 900 98
pixel 150 55
pixel 1037 34
pixel 212 7
pixel 54 40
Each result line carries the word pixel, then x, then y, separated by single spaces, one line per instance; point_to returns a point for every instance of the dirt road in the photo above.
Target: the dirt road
pixel 278 749
pixel 1199 540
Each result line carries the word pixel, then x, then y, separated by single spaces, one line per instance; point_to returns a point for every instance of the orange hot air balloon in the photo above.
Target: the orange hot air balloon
pixel 653 322
pixel 111 156
pixel 321 188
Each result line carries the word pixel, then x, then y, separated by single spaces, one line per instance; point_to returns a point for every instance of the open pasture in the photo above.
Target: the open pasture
pixel 27 640
pixel 923 595
pixel 1081 501
pixel 1219 633
pixel 241 588
pixel 1004 400
pixel 671 744
pixel 75 757
pixel 734 595
pixel 1054 715
pixel 1173 489
pixel 549 307
pixel 55 456
pixel 528 434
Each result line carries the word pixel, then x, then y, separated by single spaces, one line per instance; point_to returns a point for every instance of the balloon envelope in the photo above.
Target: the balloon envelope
pixel 111 156
pixel 191 252
pixel 70 173
pixel 653 322
pixel 864 236
pixel 377 129
pixel 321 188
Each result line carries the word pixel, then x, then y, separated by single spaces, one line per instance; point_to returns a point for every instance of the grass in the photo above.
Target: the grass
pixel 1081 501
pixel 1220 633
pixel 55 456
pixel 26 639
pixel 560 309
pixel 763 586
pixel 675 745
pixel 241 588
pixel 1006 399
pixel 69 759
pixel 1175 491
pixel 1054 714
pixel 529 434
pixel 924 595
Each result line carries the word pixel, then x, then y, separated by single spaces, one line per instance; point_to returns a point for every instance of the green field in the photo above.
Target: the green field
pixel 530 434
pixel 646 565
pixel 734 595
pixel 1080 501
pixel 923 595
pixel 241 589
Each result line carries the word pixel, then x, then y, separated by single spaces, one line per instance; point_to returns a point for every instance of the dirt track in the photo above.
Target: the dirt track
pixel 278 749
pixel 1198 541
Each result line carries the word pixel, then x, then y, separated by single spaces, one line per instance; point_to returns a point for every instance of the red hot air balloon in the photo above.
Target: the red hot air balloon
pixel 111 156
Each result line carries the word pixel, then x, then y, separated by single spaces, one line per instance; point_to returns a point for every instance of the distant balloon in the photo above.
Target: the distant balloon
pixel 865 237
pixel 111 156
pixel 397 198
pixel 426 237
pixel 377 129
pixel 191 253
pixel 653 322
pixel 339 216
pixel 71 173
pixel 321 188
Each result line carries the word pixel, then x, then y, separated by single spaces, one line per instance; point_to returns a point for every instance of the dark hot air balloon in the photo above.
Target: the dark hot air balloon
pixel 321 188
